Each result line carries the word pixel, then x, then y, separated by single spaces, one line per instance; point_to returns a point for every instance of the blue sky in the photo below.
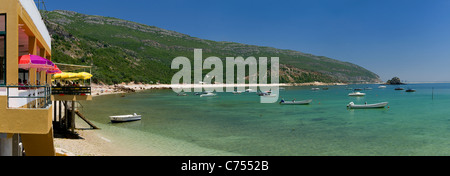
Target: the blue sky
pixel 405 38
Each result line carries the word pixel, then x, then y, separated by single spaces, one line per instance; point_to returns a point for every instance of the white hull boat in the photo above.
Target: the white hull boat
pixel 352 105
pixel 382 87
pixel 356 94
pixel 208 95
pixel 269 95
pixel 304 102
pixel 125 118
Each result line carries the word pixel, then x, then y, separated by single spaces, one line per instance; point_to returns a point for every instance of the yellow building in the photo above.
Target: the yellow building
pixel 25 111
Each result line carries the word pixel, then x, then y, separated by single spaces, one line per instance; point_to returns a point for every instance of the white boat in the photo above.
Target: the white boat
pixel 208 95
pixel 249 90
pixel 125 118
pixel 315 88
pixel 381 87
pixel 269 95
pixel 304 102
pixel 352 105
pixel 237 92
pixel 356 94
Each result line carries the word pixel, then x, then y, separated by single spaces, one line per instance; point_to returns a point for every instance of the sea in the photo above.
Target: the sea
pixel 412 124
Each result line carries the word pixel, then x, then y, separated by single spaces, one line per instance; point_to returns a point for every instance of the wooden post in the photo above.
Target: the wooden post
pixel 66 115
pixel 72 118
pixel 432 93
pixel 54 111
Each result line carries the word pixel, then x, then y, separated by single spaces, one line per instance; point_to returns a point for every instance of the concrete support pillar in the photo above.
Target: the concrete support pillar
pixel 6 145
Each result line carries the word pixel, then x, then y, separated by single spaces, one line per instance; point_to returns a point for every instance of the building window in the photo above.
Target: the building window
pixel 2 49
pixel 23 77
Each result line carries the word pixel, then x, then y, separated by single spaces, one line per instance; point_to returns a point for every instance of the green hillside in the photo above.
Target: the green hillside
pixel 124 51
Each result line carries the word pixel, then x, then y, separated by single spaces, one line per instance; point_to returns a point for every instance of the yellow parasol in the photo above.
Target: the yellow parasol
pixel 84 75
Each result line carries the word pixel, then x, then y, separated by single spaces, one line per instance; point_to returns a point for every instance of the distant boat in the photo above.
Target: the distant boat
pixel 410 90
pixel 381 87
pixel 209 94
pixel 368 88
pixel 325 88
pixel 125 118
pixel 249 90
pixel 267 95
pixel 399 88
pixel 181 94
pixel 356 94
pixel 304 102
pixel 237 92
pixel 357 89
pixel 352 105
pixel 348 88
pixel 315 89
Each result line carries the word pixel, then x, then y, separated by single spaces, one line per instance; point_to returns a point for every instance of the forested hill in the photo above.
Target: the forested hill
pixel 125 51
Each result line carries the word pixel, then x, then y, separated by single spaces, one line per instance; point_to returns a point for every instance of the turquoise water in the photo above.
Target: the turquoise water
pixel 228 124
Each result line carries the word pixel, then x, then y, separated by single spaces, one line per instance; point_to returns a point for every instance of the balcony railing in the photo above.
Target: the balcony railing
pixel 72 90
pixel 27 97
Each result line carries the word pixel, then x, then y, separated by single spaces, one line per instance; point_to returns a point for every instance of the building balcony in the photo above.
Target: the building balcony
pixel 25 109
pixel 71 93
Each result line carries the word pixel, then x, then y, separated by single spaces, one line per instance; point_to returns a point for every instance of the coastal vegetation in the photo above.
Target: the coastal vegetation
pixel 124 51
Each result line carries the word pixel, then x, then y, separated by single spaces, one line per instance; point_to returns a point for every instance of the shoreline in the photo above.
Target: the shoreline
pixel 123 88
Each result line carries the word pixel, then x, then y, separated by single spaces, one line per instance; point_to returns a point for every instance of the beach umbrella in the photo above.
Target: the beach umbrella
pixel 84 75
pixel 54 70
pixel 65 75
pixel 33 61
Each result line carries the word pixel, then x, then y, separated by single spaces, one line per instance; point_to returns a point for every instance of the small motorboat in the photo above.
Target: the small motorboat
pixel 209 94
pixel 399 88
pixel 356 94
pixel 125 118
pixel 352 105
pixel 368 88
pixel 315 89
pixel 268 95
pixel 293 102
pixel 381 87
pixel 237 92
pixel 249 90
pixel 325 88
pixel 181 94
pixel 358 89
pixel 410 90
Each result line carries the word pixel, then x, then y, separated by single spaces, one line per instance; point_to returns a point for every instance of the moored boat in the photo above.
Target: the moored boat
pixel 356 94
pixel 410 90
pixel 125 118
pixel 293 102
pixel 209 94
pixel 381 87
pixel 399 88
pixel 352 105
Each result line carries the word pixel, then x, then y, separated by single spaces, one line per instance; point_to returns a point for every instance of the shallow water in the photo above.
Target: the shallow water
pixel 228 124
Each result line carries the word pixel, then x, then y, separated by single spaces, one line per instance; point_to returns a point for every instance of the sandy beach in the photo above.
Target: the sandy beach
pixel 99 89
pixel 92 143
